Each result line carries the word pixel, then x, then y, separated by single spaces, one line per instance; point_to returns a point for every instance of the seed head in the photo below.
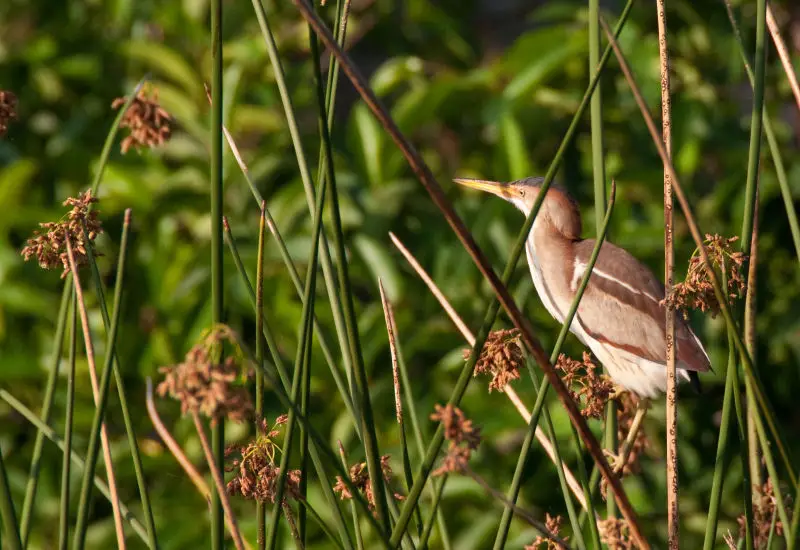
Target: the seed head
pixel 359 476
pixel 464 438
pixel 589 389
pixel 764 510
pixel 150 125
pixel 553 524
pixel 615 534
pixel 501 357
pixel 49 246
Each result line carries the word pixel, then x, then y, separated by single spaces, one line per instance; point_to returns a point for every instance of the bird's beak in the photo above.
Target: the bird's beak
pixel 494 187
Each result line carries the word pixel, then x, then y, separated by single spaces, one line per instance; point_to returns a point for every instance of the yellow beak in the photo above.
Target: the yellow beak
pixel 494 187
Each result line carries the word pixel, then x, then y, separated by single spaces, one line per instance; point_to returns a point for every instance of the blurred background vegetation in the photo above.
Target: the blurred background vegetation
pixel 484 89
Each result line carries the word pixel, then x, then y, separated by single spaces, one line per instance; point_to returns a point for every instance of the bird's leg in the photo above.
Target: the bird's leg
pixel 636 424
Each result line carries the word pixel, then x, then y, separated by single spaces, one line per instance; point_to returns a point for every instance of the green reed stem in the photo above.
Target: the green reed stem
pixel 353 509
pixel 438 491
pixel 721 461
pixel 302 364
pixel 82 522
pixel 284 380
pixel 516 482
pixel 261 509
pixel 77 461
pixel 49 395
pixel 741 423
pixel 217 287
pixel 63 523
pixel 773 474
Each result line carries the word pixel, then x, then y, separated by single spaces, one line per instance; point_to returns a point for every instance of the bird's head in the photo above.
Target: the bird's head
pixel 558 208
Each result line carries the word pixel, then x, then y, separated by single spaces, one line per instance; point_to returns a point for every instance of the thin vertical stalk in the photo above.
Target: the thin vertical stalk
pixel 772 471
pixel 746 485
pixel 63 523
pixel 754 458
pixel 49 394
pixel 302 362
pixel 261 509
pixel 7 513
pixel 498 284
pixel 217 288
pixel 721 461
pixel 673 531
pixel 353 509
pixel 368 429
pixel 102 389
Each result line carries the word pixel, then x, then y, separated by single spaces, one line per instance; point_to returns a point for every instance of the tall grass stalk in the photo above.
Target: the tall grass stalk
pixel 63 523
pixel 761 397
pixel 499 285
pixel 77 461
pixel 599 180
pixel 783 55
pixel 353 508
pixel 217 287
pixel 673 530
pixel 101 398
pixel 261 508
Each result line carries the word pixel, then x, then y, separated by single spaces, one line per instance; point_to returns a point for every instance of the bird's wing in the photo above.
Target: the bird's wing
pixel 622 307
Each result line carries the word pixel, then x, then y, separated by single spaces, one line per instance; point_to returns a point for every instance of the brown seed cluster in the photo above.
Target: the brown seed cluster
pixel 764 510
pixel 553 525
pixel 49 245
pixel 615 534
pixel 257 474
pixel 8 110
pixel 359 476
pixel 205 385
pixel 696 291
pixel 589 388
pixel 501 357
pixel 150 125
pixel 464 438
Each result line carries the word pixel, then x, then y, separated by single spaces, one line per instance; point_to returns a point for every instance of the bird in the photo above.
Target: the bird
pixel 621 317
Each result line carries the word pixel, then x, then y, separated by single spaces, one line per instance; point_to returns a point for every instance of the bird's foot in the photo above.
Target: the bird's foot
pixel 615 460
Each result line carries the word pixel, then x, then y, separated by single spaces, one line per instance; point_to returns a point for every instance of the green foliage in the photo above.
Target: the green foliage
pixel 478 97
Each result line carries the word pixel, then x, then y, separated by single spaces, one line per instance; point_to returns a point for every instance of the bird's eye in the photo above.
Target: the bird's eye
pixel 522 193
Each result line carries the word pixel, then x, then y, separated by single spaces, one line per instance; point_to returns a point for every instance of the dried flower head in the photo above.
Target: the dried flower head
pixel 764 510
pixel 49 245
pixel 462 435
pixel 8 110
pixel 696 291
pixel 553 525
pixel 615 534
pixel 205 384
pixel 150 125
pixel 257 474
pixel 359 476
pixel 590 389
pixel 501 357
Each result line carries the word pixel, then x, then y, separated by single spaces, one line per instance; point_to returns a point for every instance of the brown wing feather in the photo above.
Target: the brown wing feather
pixel 622 307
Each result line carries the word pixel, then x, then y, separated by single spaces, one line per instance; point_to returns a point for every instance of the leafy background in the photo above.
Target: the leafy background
pixel 483 89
